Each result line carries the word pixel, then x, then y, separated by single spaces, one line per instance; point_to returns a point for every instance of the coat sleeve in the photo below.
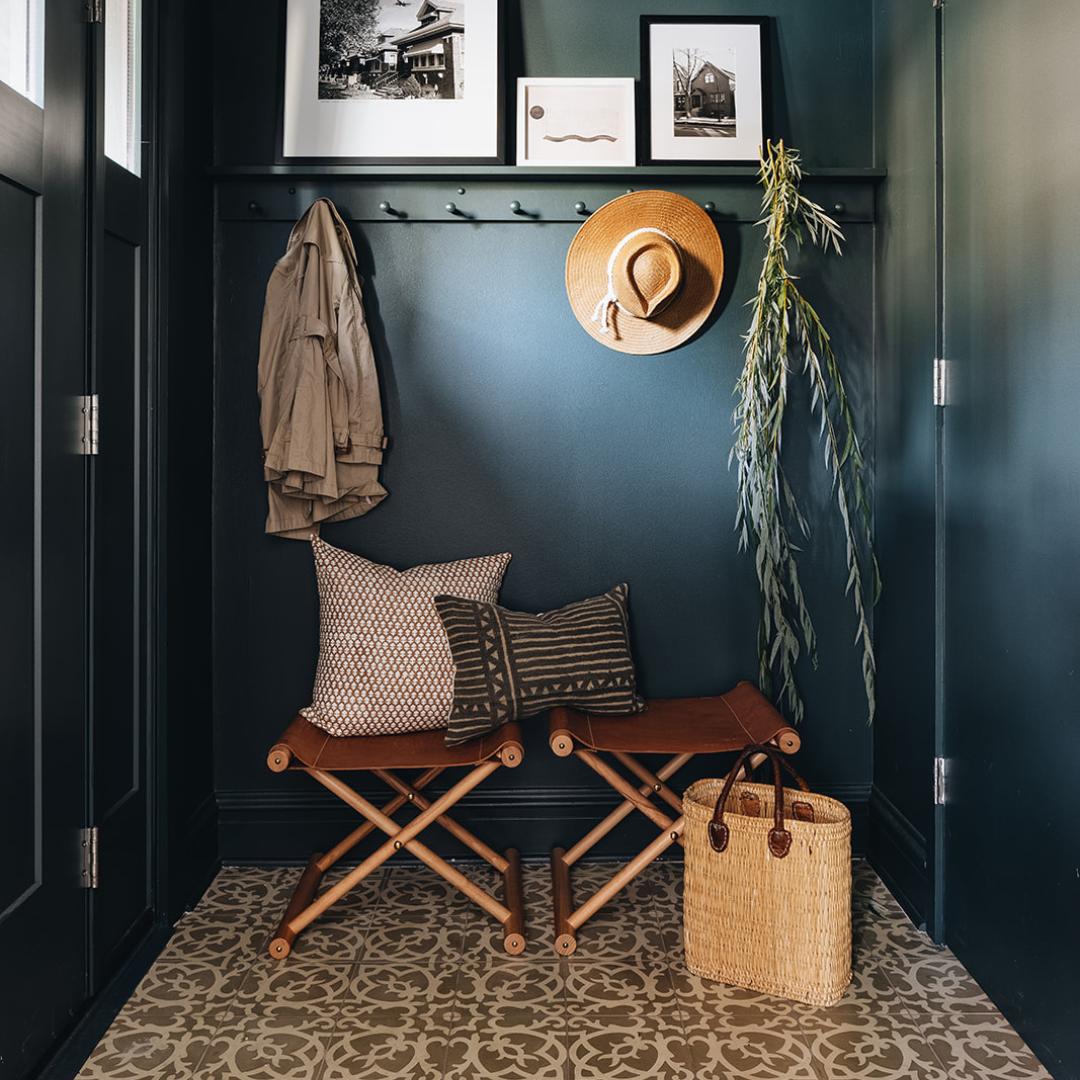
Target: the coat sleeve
pixel 357 364
pixel 302 449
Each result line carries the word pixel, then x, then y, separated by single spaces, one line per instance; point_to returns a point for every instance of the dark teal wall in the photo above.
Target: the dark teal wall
pixel 1008 602
pixel 1013 511
pixel 511 429
pixel 902 822
pixel 184 387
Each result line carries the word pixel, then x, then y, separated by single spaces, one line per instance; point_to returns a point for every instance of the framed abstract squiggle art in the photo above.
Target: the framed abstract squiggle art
pixel 575 122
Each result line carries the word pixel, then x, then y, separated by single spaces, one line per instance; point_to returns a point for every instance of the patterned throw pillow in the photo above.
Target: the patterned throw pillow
pixel 510 665
pixel 384 663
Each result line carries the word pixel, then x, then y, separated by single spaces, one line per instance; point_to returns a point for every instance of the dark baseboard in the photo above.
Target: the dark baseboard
pixel 65 1062
pixel 900 855
pixel 193 868
pixel 274 827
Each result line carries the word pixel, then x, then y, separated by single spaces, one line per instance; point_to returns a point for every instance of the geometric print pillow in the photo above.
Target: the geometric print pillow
pixel 509 665
pixel 384 662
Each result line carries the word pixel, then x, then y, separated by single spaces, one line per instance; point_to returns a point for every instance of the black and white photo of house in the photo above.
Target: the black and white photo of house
pixel 387 49
pixel 704 92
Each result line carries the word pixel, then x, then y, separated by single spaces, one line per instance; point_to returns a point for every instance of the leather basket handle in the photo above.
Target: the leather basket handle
pixel 779 837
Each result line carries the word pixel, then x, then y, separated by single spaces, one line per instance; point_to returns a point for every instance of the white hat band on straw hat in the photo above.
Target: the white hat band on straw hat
pixel 603 308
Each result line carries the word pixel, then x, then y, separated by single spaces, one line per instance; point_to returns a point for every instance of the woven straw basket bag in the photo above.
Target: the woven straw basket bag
pixel 767 902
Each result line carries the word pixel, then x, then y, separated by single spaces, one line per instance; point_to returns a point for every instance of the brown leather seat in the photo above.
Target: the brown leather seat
pixel 708 725
pixel 682 727
pixel 308 748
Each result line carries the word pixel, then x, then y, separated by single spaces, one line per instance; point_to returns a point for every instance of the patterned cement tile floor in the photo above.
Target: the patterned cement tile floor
pixel 406 980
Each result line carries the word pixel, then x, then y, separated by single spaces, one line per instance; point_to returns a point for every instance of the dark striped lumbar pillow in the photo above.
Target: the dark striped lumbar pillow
pixel 509 665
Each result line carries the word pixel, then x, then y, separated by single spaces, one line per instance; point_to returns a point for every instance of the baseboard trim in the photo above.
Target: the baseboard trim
pixel 202 821
pixel 71 1053
pixel 192 867
pixel 900 854
pixel 264 826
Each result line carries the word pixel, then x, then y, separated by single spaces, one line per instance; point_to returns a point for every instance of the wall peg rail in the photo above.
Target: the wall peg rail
pixel 516 196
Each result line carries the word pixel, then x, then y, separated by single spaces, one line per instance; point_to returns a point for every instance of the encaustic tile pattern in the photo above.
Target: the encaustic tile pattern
pixel 405 979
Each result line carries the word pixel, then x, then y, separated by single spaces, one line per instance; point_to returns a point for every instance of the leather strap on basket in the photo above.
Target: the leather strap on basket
pixel 779 837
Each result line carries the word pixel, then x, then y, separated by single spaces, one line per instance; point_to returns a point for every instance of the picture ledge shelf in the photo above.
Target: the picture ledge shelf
pixel 711 173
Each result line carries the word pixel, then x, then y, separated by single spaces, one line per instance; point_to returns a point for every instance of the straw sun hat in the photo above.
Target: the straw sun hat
pixel 644 271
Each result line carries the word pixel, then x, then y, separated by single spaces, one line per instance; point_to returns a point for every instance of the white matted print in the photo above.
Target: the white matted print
pixel 575 122
pixel 705 87
pixel 393 80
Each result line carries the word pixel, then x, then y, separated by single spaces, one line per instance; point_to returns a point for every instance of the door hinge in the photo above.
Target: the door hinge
pixel 939 3
pixel 94 11
pixel 939 781
pixel 88 424
pixel 941 387
pixel 89 848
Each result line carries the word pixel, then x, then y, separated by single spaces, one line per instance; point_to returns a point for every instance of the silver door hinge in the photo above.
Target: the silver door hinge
pixel 88 416
pixel 940 381
pixel 89 849
pixel 939 781
pixel 939 3
pixel 94 11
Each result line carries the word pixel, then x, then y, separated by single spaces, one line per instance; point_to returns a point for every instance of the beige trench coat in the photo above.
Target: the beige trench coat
pixel 321 416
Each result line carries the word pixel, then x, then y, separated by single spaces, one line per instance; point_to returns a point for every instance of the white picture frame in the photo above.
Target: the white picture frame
pixel 335 108
pixel 576 122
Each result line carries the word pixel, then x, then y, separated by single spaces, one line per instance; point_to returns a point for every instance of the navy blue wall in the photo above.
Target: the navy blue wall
pixel 511 429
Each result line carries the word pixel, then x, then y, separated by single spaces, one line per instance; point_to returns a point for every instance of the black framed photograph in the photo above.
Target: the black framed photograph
pixel 705 85
pixel 393 81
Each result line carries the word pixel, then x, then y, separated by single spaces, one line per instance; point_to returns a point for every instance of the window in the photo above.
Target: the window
pixel 22 47
pixel 123 83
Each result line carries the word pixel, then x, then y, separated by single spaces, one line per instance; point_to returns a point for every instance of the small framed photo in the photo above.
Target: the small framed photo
pixel 393 81
pixel 575 122
pixel 705 83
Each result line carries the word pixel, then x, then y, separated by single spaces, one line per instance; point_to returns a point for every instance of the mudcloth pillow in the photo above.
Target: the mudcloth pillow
pixel 384 663
pixel 510 665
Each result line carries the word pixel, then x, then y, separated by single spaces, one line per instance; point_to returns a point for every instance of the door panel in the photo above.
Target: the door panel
pixel 43 905
pixel 18 802
pixel 121 901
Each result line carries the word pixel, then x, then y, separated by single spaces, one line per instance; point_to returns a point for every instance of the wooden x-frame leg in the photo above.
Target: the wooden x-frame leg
pixel 568 919
pixel 304 907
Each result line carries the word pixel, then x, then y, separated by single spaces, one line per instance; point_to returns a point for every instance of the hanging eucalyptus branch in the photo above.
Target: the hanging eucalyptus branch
pixel 785 332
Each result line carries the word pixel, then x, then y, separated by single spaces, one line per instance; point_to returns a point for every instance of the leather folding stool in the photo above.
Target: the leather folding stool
pixel 681 727
pixel 308 748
